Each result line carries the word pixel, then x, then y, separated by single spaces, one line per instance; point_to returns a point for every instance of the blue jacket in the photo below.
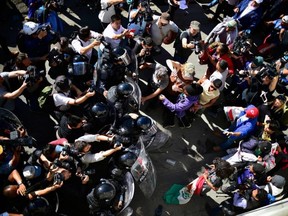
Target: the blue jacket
pixel 183 103
pixel 245 127
pixel 250 20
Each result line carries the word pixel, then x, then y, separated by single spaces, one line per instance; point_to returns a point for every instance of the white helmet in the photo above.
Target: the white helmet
pixel 30 27
pixel 285 19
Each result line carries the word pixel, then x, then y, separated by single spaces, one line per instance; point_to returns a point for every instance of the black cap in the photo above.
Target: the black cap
pixel 194 89
pixel 217 83
pixel 223 64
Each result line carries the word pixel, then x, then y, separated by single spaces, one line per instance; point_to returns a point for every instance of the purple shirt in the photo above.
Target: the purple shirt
pixel 183 103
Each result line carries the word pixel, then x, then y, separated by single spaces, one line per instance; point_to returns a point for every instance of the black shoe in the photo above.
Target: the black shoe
pixel 159 210
pixel 168 125
pixel 184 123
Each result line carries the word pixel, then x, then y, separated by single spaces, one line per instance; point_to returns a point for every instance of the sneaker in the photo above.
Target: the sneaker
pixel 168 125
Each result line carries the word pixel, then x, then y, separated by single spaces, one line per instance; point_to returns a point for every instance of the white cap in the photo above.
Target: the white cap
pixel 285 19
pixel 30 27
pixel 258 1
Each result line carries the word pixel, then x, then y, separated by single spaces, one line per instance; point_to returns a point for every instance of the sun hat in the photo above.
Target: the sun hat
pixel 30 27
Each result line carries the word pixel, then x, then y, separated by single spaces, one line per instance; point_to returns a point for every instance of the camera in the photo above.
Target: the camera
pixel 33 75
pixel 68 150
pixel 242 44
pixel 267 70
pixel 58 178
pixel 21 141
pixel 197 46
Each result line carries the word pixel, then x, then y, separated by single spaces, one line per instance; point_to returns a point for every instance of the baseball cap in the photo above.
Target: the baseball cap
pixel 232 23
pixel 258 61
pixel 30 172
pixel 62 83
pixel 217 83
pixel 278 181
pixel 252 112
pixel 195 25
pixel 258 1
pixel 30 27
pixel 258 168
pixel 285 19
pixel 165 17
pixel 194 89
pixel 189 71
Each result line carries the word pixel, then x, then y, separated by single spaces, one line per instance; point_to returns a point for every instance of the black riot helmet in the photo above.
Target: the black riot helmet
pixel 127 159
pixel 126 126
pixel 105 191
pixel 100 110
pixel 79 65
pixel 38 207
pixel 121 54
pixel 143 122
pixel 124 89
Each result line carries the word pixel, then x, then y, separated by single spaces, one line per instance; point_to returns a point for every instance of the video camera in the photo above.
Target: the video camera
pixel 53 36
pixel 267 70
pixel 242 43
pixel 68 150
pixel 21 141
pixel 33 75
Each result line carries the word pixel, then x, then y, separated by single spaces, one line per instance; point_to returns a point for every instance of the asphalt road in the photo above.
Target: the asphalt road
pixel 187 162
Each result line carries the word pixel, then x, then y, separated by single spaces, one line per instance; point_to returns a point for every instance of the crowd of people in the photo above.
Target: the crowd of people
pixel 94 82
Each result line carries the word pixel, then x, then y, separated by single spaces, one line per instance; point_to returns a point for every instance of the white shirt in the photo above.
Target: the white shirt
pixel 61 100
pixel 78 44
pixel 247 10
pixel 106 12
pixel 109 32
pixel 218 75
pixel 158 34
pixel 92 158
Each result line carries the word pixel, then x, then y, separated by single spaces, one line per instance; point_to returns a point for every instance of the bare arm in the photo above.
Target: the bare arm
pixel 16 73
pixel 111 151
pixel 16 93
pixel 82 99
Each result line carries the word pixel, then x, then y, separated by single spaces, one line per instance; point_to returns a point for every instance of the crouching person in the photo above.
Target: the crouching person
pixel 185 100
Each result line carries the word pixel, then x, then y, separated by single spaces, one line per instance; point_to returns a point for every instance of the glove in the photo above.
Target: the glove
pixel 87 138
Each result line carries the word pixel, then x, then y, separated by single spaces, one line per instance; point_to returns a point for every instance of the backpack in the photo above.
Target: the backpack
pixel 45 99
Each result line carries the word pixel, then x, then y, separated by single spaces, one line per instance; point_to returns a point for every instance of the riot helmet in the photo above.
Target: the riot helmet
pixel 124 89
pixel 143 122
pixel 126 126
pixel 121 54
pixel 38 207
pixel 127 159
pixel 100 110
pixel 105 191
pixel 80 65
